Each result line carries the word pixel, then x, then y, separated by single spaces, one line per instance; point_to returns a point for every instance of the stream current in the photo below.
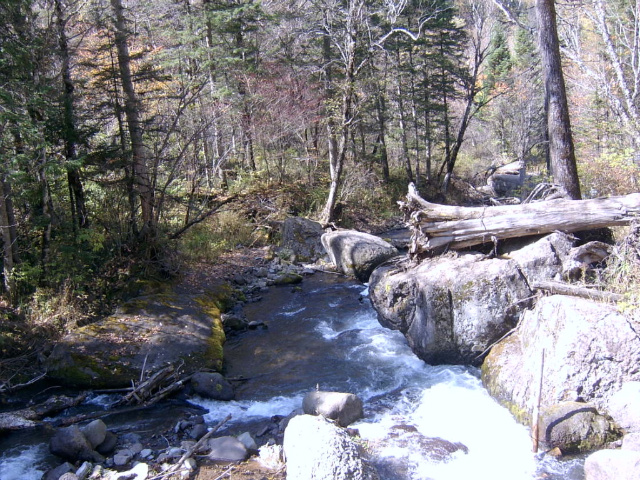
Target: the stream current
pixel 324 334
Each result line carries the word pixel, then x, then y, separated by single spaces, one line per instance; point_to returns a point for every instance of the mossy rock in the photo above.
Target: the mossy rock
pixel 145 333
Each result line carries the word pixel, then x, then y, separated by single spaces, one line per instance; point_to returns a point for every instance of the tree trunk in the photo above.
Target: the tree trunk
pixel 76 190
pixel 142 183
pixel 561 149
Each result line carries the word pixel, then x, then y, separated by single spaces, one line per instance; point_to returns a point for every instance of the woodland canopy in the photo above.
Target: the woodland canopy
pixel 135 134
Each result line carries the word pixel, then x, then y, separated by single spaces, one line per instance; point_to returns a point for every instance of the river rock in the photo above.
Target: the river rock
pixel 109 443
pixel 57 472
pixel 146 333
pixel 452 308
pixel 575 427
pixel 212 385
pixel 590 350
pixel 612 465
pixel 544 259
pixel 70 444
pixel 302 237
pixel 356 253
pixel 95 432
pixel 227 449
pixel 316 449
pixel 345 408
pixel 624 407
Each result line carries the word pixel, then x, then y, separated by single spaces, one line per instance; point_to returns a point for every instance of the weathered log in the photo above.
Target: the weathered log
pixel 577 291
pixel 435 226
pixel 32 416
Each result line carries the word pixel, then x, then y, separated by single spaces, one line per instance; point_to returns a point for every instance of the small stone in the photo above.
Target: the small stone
pixel 136 448
pixel 146 453
pixel 190 464
pixel 122 457
pixel 174 452
pixel 84 470
pixel 555 452
pixel 248 441
pixel 227 449
pixel 198 431
pixel 95 432
pixel 109 444
pixel 57 472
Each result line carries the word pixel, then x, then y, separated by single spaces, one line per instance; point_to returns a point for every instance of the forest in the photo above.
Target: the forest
pixel 136 137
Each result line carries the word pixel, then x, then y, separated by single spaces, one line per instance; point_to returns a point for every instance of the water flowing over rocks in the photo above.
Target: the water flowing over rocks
pixel 356 253
pixel 316 449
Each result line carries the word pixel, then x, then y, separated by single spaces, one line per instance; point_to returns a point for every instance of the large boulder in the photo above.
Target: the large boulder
pixel 316 449
pixel 612 465
pixel 145 333
pixel 624 407
pixel 590 350
pixel 357 253
pixel 212 385
pixel 301 237
pixel 452 308
pixel 71 444
pixel 344 408
pixel 575 427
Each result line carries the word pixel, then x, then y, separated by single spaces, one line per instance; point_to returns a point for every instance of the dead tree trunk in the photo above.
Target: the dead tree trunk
pixel 436 226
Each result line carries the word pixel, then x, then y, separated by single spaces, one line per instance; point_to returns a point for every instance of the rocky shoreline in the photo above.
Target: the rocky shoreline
pixel 571 363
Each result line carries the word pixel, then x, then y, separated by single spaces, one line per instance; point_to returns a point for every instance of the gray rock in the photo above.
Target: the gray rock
pixel 109 443
pixel 138 472
pixel 146 453
pixel 234 321
pixel 590 350
pixel 624 406
pixel 345 408
pixel 357 253
pixel 316 449
pixel 69 443
pixel 69 476
pixel 612 465
pixel 191 333
pixel 545 258
pixel 198 431
pixel 248 441
pixel 451 309
pixel 575 427
pixel 84 470
pixel 57 472
pixel 123 457
pixel 302 238
pixel 227 449
pixel 212 385
pixel 95 432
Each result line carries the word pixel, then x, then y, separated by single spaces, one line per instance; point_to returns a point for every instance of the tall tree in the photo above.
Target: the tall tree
pixel 561 148
pixel 132 110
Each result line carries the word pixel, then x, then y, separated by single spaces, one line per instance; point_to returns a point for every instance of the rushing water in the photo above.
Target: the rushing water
pixel 325 335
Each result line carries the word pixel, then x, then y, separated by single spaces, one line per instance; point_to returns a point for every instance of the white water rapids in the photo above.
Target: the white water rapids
pixel 327 336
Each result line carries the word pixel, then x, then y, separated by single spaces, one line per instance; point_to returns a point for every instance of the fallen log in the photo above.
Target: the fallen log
pixel 561 288
pixel 437 226
pixel 32 416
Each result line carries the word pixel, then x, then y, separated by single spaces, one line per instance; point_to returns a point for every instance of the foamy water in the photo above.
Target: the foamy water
pixel 446 402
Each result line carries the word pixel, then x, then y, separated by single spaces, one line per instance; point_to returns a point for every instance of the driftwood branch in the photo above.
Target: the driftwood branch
pixel 32 416
pixel 437 226
pixel 561 288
